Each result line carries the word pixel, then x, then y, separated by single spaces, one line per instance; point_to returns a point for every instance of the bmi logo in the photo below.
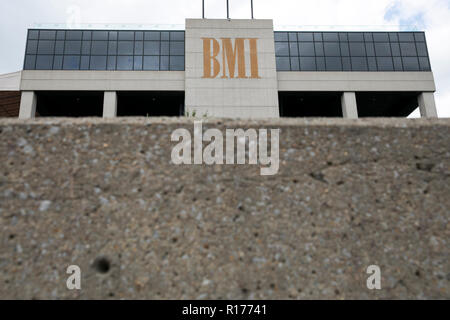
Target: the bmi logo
pixel 231 54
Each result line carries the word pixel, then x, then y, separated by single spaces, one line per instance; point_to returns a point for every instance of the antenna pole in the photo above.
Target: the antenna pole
pixel 228 11
pixel 251 2
pixel 203 9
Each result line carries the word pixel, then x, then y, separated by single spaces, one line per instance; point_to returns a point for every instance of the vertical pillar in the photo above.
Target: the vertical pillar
pixel 110 104
pixel 27 105
pixel 427 105
pixel 349 107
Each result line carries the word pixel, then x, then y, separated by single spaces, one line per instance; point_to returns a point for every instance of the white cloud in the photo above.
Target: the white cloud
pixel 431 15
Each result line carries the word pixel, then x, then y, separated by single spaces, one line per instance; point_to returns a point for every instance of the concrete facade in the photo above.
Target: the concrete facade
pixel 231 97
pixel 427 105
pixel 110 104
pixel 349 107
pixel 28 104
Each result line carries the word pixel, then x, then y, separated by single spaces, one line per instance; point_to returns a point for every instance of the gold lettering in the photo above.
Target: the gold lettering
pixel 207 57
pixel 229 55
pixel 254 59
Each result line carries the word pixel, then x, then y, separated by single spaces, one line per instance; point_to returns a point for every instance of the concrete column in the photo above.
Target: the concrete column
pixel 27 105
pixel 427 105
pixel 110 104
pixel 349 108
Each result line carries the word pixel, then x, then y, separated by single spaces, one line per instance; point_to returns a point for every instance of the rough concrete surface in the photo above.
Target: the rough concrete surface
pixel 104 195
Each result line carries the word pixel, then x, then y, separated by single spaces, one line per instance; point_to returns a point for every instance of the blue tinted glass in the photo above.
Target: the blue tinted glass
pixel 357 49
pixel 177 48
pixel 355 37
pixel 410 64
pixel 380 37
pixel 139 36
pixel 59 47
pixel 138 47
pixel 343 36
pixel 393 37
pixel 47 35
pixel 281 36
pixel 71 63
pixel 295 65
pixel 345 51
pixel 385 64
pixel 126 35
pixel 424 64
pixel 137 62
pixel 368 37
pixel 319 48
pixel 398 65
pixel 125 47
pixel 33 34
pixel 125 63
pixel 371 61
pixel 46 47
pixel 112 47
pixel 57 63
pixel 100 47
pixel 165 36
pixel 408 49
pixel 87 35
pixel 86 47
pixel 346 66
pixel 419 36
pixel 406 36
pixel 317 36
pixel 320 62
pixel 293 36
pixel 359 64
pixel 44 62
pixel 165 48
pixel 332 49
pixel 100 35
pixel 84 65
pixel 111 63
pixel 330 36
pixel 177 35
pixel 151 63
pixel 151 47
pixel 306 49
pixel 61 35
pixel 176 63
pixel 305 36
pixel 30 62
pixel 422 49
pixel 152 35
pixel 281 49
pixel 333 63
pixel 164 63
pixel 308 64
pixel 395 49
pixel 112 35
pixel 73 47
pixel 98 63
pixel 74 35
pixel 293 49
pixel 32 47
pixel 370 49
pixel 283 64
pixel 383 49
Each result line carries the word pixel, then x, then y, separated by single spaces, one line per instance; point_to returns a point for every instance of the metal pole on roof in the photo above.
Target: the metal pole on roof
pixel 228 11
pixel 251 2
pixel 203 9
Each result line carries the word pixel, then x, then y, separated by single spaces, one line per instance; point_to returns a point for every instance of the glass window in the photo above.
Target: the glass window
pixel 112 47
pixel 151 47
pixel 100 35
pixel 152 35
pixel 383 49
pixel 372 63
pixel 139 36
pixel 126 35
pixel 385 64
pixel 293 49
pixel 332 49
pixel 87 35
pixel 424 64
pixel 395 49
pixel 381 37
pixel 406 36
pixel 98 63
pixel 164 48
pixel 320 62
pixel 47 35
pixel 410 64
pixel 151 63
pixel 281 49
pixel 346 66
pixel 295 65
pixel 393 37
pixel 71 63
pixel 419 36
pixel 165 36
pixel 357 49
pixel 398 65
pixel 61 35
pixel 306 49
pixel 408 49
pixel 32 47
pixel 139 47
pixel 292 36
pixel 176 48
pixel 30 62
pixel 359 64
pixel 308 64
pixel 317 36
pixel 333 63
pixel 84 63
pixel 330 36
pixel 33 34
pixel 176 63
pixel 59 47
pixel 283 64
pixel 44 62
pixel 125 47
pixel 46 47
pixel 368 37
pixel 86 48
pixel 74 35
pixel 345 51
pixel 73 47
pixel 58 63
pixel 100 47
pixel 343 36
pixel 355 37
pixel 305 36
pixel 113 35
pixel 422 49
pixel 137 62
pixel 281 36
pixel 112 60
pixel 318 46
pixel 164 63
pixel 370 50
pixel 125 63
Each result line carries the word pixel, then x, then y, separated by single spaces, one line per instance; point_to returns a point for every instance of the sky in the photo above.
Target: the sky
pixel 432 16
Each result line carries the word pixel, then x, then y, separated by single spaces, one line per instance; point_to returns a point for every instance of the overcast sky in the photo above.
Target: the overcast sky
pixel 433 16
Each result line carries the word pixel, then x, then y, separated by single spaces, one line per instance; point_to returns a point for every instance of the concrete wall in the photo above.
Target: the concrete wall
pixel 104 193
pixel 246 98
